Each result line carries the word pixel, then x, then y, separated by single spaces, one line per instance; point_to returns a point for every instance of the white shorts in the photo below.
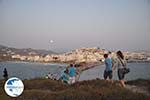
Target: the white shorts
pixel 72 80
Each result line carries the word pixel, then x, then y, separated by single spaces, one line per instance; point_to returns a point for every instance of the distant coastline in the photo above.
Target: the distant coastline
pixel 81 55
pixel 138 61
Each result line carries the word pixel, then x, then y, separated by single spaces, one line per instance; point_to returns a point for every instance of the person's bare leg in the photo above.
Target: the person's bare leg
pixel 107 79
pixel 122 83
pixel 111 81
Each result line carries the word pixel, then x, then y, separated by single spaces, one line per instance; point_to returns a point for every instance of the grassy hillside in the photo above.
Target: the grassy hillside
pixel 45 89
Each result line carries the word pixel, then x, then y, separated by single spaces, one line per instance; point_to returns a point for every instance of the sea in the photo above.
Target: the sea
pixel 30 70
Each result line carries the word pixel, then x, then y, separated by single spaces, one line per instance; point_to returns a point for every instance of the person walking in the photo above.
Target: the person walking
pixel 121 65
pixel 108 68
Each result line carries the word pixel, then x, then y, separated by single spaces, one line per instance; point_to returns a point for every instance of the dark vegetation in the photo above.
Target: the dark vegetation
pixel 140 83
pixel 46 89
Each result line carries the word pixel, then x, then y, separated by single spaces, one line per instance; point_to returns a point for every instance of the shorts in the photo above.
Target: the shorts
pixel 72 80
pixel 107 74
pixel 121 74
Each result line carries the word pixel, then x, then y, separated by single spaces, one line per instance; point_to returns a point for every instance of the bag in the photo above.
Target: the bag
pixel 126 70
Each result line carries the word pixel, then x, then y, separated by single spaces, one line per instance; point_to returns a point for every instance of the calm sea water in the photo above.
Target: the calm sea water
pixel 28 70
pixel 137 71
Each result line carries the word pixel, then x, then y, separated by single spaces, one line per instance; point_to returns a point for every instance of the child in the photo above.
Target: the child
pixel 72 73
pixel 65 77
pixel 108 68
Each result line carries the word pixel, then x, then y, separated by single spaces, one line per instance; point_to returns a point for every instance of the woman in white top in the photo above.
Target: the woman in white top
pixel 121 63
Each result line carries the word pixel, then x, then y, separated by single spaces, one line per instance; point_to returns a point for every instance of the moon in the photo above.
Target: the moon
pixel 51 41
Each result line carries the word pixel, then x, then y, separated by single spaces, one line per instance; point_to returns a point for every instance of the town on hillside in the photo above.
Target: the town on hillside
pixel 94 54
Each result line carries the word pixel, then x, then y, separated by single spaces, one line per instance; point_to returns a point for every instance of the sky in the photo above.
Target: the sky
pixel 62 25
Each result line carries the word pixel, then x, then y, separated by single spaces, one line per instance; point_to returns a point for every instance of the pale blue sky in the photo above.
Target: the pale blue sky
pixel 110 24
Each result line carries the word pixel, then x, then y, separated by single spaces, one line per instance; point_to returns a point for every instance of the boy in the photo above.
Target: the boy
pixel 108 68
pixel 72 73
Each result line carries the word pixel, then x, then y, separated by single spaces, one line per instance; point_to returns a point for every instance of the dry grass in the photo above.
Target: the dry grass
pixel 45 89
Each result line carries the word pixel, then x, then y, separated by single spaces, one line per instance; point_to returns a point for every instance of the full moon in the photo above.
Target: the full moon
pixel 51 41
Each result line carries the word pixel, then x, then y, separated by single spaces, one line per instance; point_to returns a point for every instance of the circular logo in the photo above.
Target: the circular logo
pixel 14 87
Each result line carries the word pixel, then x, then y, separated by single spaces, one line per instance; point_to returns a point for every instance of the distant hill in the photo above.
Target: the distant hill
pixel 145 51
pixel 27 51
